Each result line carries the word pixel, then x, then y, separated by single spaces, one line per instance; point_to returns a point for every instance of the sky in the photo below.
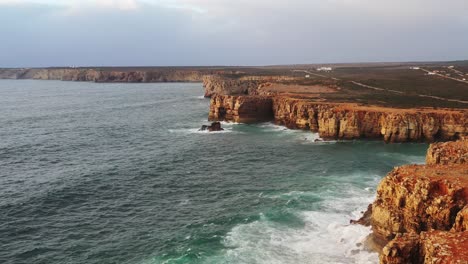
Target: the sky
pixel 40 33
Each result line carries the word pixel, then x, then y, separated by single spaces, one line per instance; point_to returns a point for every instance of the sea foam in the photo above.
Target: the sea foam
pixel 326 236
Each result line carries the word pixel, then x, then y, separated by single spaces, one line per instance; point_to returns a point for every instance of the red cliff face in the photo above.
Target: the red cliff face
pixel 423 209
pixel 240 109
pixel 418 198
pixel 351 121
pixel 345 121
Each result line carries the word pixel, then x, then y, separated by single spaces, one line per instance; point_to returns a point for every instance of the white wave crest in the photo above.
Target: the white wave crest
pixel 326 237
pixel 198 131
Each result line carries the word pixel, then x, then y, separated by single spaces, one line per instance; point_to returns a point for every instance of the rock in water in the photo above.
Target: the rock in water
pixel 215 126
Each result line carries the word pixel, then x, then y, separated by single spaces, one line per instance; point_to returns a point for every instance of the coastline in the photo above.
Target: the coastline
pixel 420 214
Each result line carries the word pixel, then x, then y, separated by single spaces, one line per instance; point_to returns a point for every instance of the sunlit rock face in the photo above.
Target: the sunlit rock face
pixel 422 210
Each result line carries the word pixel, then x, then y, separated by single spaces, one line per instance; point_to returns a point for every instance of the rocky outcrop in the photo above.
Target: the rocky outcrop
pixel 214 127
pixel 428 247
pixel 418 198
pixel 422 210
pixel 105 75
pixel 241 109
pixel 448 153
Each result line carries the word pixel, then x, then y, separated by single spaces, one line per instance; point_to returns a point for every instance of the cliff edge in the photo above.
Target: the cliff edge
pixel 343 121
pixel 422 210
pixel 309 105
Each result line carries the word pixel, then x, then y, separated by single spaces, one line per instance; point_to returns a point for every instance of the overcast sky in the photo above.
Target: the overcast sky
pixel 36 33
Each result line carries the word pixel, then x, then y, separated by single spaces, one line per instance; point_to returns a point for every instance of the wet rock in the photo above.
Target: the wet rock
pixel 215 126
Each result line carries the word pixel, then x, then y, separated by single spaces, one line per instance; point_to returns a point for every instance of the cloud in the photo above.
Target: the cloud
pixel 242 32
pixel 109 4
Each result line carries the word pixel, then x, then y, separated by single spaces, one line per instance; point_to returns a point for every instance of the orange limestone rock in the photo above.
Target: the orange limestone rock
pixel 343 121
pixel 428 247
pixel 418 198
pixel 448 153
pixel 351 121
pixel 240 109
pixel 423 209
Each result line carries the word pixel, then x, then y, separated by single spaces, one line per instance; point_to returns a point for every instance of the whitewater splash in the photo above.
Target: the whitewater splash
pixel 227 126
pixel 198 131
pixel 325 237
pixel 305 137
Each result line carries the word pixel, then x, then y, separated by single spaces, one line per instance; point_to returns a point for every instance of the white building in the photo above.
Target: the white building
pixel 415 68
pixel 324 69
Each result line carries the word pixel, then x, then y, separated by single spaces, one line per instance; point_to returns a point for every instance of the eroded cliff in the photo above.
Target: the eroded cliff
pixel 448 153
pixel 346 121
pixel 422 210
pixel 240 109
pixel 351 121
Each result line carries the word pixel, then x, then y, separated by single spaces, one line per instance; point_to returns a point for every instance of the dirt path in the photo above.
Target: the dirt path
pixel 443 76
pixel 394 91
pixel 420 95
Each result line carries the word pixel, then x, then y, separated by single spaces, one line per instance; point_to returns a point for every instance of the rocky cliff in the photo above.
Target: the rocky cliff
pixel 423 209
pixel 351 121
pixel 448 153
pixel 240 109
pixel 100 75
pixel 429 247
pixel 345 121
pixel 418 198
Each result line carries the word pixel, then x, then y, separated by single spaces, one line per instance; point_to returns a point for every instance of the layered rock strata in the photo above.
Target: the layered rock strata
pixel 344 121
pixel 240 109
pixel 422 210
pixel 417 198
pixel 351 121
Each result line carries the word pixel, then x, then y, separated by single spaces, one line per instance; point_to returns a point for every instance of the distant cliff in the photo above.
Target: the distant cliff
pixel 106 75
pixel 234 85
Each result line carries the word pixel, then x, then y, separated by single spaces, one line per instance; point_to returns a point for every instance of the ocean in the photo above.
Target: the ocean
pixel 119 173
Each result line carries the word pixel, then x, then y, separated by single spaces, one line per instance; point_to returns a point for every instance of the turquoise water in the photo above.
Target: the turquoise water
pixel 119 173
